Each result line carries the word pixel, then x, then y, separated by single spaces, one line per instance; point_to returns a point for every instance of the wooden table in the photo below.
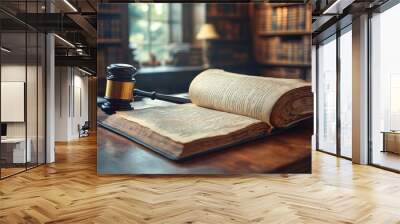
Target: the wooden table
pixel 391 141
pixel 288 152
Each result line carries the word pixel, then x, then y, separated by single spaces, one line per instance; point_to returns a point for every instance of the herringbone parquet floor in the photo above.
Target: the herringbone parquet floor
pixel 69 191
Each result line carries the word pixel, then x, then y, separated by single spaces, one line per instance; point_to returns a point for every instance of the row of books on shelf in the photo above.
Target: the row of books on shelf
pixel 227 10
pixel 109 28
pixel 295 18
pixel 229 30
pixel 276 51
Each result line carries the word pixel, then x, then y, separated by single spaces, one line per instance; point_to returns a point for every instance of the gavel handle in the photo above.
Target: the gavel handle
pixel 154 95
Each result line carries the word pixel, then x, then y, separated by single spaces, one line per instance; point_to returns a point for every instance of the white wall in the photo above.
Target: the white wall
pixel 61 104
pixel 71 102
pixel 16 73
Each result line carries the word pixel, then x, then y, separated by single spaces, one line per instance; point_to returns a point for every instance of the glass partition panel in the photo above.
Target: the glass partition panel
pixel 22 64
pixel 14 153
pixel 346 93
pixel 327 96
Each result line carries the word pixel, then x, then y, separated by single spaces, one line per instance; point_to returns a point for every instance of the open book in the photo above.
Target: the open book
pixel 227 109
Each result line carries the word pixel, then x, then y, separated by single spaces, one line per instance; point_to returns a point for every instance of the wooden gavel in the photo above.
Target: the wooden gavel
pixel 120 89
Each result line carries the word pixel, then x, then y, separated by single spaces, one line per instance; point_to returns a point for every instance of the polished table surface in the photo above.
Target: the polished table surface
pixel 287 152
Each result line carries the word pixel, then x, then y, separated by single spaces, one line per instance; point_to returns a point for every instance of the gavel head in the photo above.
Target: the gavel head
pixel 119 87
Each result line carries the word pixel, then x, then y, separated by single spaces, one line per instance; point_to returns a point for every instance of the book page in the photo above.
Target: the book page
pixel 250 96
pixel 187 122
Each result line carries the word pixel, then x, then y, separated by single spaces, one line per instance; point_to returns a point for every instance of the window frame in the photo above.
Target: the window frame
pixel 170 22
pixel 333 36
pixel 42 38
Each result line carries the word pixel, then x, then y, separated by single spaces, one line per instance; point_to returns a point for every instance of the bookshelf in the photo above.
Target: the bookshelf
pixel 282 39
pixel 233 48
pixel 112 39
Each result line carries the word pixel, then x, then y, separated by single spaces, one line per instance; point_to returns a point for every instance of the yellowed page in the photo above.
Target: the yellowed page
pixel 187 122
pixel 250 96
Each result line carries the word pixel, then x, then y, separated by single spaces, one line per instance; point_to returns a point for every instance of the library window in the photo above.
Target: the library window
pixel 154 28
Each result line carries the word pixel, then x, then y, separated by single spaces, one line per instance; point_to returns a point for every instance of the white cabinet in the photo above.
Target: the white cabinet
pixel 16 150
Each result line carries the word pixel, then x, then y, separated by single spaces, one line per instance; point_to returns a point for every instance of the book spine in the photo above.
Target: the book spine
pixel 284 19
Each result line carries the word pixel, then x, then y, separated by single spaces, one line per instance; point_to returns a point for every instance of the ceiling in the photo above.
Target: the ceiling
pixel 19 54
pixel 73 20
pixel 336 14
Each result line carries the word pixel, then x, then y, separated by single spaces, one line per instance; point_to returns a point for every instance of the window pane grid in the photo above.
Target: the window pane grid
pixel 151 29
